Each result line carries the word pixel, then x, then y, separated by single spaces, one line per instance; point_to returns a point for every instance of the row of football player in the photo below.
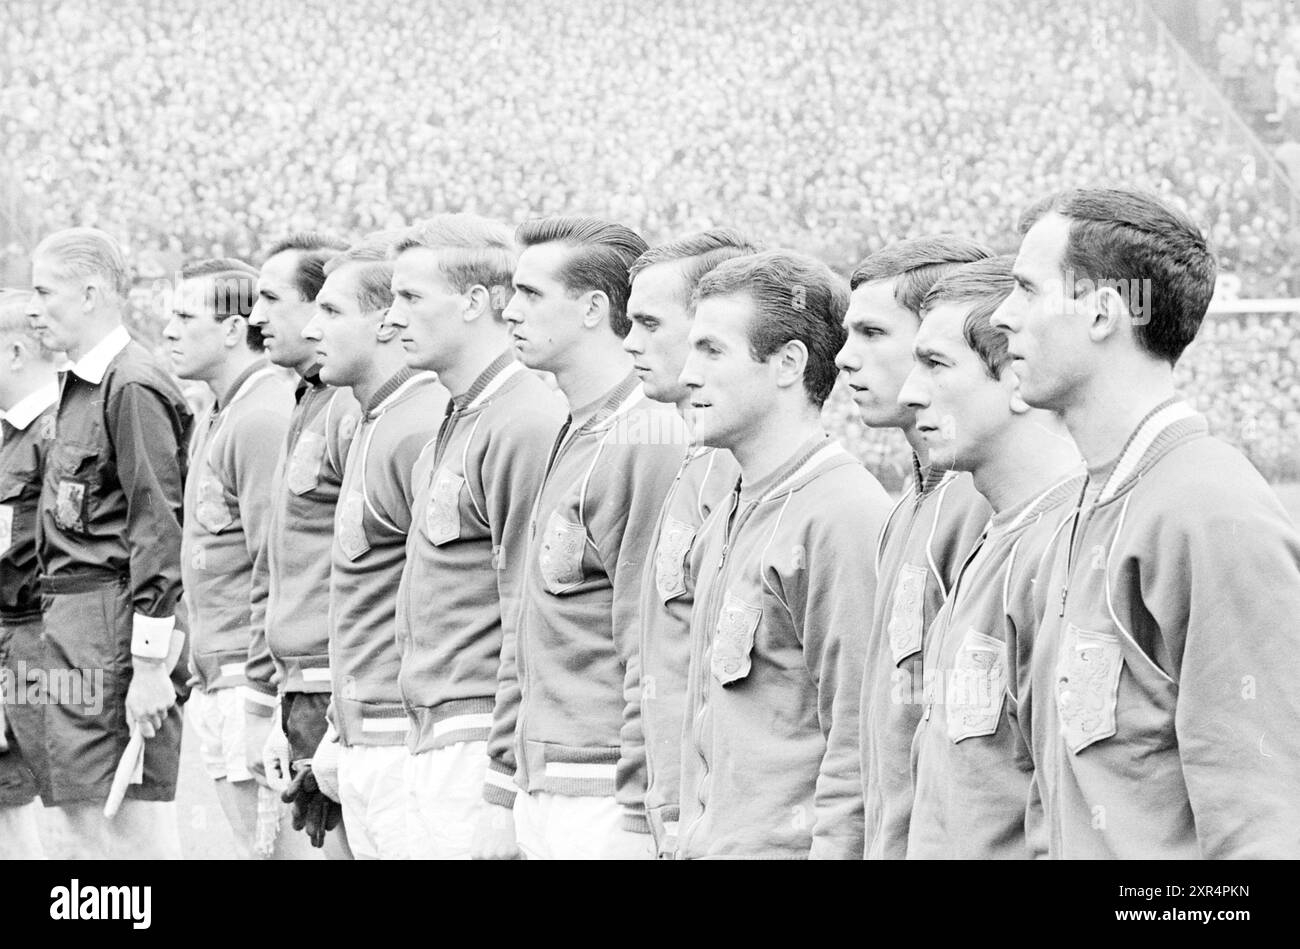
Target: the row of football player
pixel 682 621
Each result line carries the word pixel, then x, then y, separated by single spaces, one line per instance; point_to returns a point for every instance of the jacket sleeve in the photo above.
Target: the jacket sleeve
pixel 149 432
pixel 830 601
pixel 1224 578
pixel 257 453
pixel 514 464
pixel 639 477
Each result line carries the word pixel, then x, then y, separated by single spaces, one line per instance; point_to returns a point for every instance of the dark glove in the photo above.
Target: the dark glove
pixel 313 811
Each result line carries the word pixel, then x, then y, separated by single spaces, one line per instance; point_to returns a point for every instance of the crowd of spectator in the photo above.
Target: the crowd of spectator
pixel 190 129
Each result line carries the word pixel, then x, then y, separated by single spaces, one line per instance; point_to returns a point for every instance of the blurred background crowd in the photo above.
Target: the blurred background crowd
pixel 191 129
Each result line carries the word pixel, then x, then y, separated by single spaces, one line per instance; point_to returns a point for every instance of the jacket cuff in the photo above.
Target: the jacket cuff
pixel 634 820
pixel 257 702
pixel 499 787
pixel 151 636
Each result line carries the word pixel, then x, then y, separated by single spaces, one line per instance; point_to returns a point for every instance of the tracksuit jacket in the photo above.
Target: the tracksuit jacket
pixel 227 497
pixel 1163 675
pixel 575 655
pixel 784 588
pixel 706 478
pixel 922 547
pixel 474 488
pixel 370 527
pixel 971 765
pixel 289 645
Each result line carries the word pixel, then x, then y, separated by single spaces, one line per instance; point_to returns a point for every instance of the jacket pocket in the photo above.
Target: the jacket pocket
pixel 442 513
pixel 977 687
pixel 303 473
pixel 907 613
pixel 561 555
pixel 670 558
pixel 733 641
pixel 213 511
pixel 352 525
pixel 1087 686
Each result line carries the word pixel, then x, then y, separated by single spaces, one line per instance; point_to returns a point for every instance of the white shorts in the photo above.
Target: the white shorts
pixel 218 721
pixel 444 797
pixel 372 790
pixel 555 827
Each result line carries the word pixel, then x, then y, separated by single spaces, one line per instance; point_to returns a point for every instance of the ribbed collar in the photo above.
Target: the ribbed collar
pixel 764 486
pixel 483 381
pixel 1158 430
pixel 1028 509
pixel 610 403
pixel 238 384
pixel 404 375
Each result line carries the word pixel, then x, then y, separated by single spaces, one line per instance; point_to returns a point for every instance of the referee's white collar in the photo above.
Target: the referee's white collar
pixel 94 364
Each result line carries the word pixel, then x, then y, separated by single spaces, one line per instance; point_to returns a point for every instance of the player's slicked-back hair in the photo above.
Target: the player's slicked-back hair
pixel 795 297
pixel 697 253
pixel 15 324
pixel 232 291
pixel 472 251
pixel 314 250
pixel 85 252
pixel 916 264
pixel 982 286
pixel 1134 240
pixel 600 253
pixel 374 268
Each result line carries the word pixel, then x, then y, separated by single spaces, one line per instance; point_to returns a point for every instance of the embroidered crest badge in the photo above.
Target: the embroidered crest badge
pixel 1087 686
pixel 907 614
pixel 977 687
pixel 303 472
pixel 352 525
pixel 442 512
pixel 733 642
pixel 561 554
pixel 213 512
pixel 670 558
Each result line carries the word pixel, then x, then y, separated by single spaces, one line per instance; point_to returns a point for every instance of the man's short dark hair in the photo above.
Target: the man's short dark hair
pixel 795 297
pixel 314 252
pixel 600 254
pixel 916 264
pixel 233 292
pixel 1137 241
pixel 698 253
pixel 982 286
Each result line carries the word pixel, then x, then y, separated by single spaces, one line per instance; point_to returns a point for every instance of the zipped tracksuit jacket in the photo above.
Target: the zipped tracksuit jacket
pixel 227 501
pixel 784 586
pixel 971 765
pixel 474 487
pixel 575 655
pixel 371 523
pixel 920 550
pixel 1163 675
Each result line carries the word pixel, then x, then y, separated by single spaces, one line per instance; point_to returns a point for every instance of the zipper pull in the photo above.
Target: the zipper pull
pixel 723 559
pixel 1065 590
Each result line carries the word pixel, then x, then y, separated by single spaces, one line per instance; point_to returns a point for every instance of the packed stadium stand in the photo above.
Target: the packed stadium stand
pixel 191 129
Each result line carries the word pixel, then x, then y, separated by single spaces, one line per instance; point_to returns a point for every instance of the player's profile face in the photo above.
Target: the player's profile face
pixel 344 335
pixel 730 391
pixel 427 312
pixel 196 338
pixel 661 322
pixel 544 317
pixel 1047 335
pixel 960 409
pixel 877 356
pixel 282 313
pixel 55 304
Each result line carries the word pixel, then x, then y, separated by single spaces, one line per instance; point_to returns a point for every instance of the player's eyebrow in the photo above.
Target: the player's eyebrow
pixel 520 285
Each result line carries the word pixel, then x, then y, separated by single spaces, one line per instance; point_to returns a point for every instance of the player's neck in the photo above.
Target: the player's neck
pixel 230 370
pixel 1028 457
pixel 592 374
pixel 1106 413
pixel 773 442
pixel 474 358
pixel 388 362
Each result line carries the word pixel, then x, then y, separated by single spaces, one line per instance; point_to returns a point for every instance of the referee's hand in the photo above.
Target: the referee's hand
pixel 149 696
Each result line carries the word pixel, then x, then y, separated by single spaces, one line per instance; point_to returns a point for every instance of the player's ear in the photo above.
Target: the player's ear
pixel 477 303
pixel 1108 313
pixel 1011 381
pixel 236 332
pixel 596 310
pixel 17 355
pixel 791 361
